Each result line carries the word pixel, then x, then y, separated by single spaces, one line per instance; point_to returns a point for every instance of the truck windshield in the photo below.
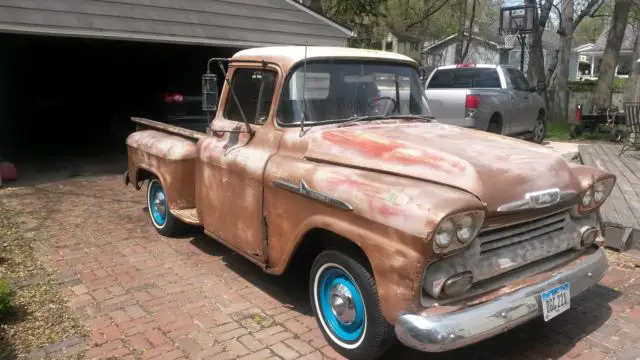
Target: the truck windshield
pixel 337 91
pixel 464 78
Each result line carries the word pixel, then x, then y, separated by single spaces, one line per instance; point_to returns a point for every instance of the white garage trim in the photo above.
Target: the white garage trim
pixel 114 35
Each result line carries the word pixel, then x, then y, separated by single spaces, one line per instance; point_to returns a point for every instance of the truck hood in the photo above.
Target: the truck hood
pixel 496 169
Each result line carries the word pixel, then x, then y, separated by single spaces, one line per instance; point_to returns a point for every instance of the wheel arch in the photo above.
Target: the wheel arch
pixel 318 239
pixel 396 281
pixel 496 117
pixel 142 174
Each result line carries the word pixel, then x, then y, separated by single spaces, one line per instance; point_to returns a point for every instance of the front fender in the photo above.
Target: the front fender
pixel 390 218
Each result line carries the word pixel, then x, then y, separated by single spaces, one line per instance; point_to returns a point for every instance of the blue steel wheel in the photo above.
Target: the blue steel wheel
pixel 345 303
pixel 163 221
pixel 341 305
pixel 157 202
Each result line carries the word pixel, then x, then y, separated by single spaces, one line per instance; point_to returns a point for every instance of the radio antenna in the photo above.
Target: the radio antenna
pixel 304 88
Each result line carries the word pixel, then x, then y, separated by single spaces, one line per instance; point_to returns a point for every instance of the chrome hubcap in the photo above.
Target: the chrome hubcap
pixel 342 304
pixel 539 129
pixel 159 202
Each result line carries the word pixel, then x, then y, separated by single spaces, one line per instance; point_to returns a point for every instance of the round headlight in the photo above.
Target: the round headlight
pixel 465 228
pixel 444 233
pixel 599 191
pixel 587 198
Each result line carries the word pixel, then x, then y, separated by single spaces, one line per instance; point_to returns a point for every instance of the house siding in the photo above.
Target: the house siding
pixel 479 53
pixel 241 22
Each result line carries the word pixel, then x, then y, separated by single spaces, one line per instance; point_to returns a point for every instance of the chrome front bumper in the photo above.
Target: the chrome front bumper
pixel 476 323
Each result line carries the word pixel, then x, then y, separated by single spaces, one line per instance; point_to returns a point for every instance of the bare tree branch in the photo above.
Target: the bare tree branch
pixel 428 12
pixel 588 9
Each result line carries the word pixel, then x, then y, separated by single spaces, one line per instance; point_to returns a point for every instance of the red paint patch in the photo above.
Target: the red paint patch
pixel 388 149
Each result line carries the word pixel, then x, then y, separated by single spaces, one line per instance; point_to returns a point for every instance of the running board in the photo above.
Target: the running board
pixel 189 216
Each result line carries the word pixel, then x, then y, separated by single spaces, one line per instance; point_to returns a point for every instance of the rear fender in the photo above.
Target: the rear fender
pixel 169 157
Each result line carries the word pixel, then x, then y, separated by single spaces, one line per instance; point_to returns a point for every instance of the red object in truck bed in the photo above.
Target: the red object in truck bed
pixel 8 172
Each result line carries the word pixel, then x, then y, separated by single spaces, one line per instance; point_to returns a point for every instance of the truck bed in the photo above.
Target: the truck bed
pixel 145 124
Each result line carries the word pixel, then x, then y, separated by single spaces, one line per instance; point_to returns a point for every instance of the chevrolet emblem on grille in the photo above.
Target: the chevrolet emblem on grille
pixel 543 198
pixel 537 199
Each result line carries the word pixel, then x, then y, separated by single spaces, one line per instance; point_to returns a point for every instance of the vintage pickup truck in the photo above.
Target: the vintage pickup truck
pixel 434 234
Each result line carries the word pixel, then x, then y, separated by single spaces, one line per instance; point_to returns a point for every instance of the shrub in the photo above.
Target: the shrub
pixel 6 296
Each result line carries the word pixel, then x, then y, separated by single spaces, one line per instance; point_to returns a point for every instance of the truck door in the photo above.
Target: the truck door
pixel 522 101
pixel 231 162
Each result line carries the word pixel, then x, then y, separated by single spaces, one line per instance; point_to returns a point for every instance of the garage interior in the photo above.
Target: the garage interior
pixel 67 97
pixel 73 73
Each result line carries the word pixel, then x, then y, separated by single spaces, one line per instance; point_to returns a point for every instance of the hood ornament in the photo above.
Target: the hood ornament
pixel 538 199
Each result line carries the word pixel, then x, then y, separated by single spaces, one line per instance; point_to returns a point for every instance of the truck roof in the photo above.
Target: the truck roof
pixel 290 55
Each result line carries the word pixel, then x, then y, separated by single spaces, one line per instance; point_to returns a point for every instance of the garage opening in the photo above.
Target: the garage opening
pixel 72 98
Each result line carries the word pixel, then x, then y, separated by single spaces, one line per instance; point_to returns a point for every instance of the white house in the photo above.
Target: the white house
pixel 590 56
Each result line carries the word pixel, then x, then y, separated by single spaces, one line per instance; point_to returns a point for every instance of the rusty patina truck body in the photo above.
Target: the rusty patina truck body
pixel 438 235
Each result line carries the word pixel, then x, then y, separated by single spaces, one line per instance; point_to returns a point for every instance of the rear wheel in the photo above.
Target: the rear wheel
pixel 495 125
pixel 540 129
pixel 161 218
pixel 345 303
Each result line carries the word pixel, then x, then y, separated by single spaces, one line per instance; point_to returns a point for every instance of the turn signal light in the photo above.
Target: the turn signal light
pixel 458 284
pixel 588 235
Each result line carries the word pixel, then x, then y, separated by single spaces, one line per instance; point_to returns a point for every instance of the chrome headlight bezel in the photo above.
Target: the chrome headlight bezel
pixel 460 228
pixel 595 195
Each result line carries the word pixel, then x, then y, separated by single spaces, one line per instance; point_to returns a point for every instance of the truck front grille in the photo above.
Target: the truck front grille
pixel 510 235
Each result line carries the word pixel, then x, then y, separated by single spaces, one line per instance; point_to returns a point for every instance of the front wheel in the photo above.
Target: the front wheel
pixel 345 303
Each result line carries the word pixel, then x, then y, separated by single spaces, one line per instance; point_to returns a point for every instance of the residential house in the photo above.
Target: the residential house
pixel 590 56
pixel 403 43
pixel 487 48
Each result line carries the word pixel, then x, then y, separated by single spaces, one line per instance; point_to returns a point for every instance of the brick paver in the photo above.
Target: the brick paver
pixel 149 297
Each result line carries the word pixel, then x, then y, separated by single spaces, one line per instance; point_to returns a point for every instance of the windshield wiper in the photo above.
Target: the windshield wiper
pixel 426 118
pixel 357 118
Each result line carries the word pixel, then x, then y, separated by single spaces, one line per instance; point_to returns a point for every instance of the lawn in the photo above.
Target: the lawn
pixel 561 132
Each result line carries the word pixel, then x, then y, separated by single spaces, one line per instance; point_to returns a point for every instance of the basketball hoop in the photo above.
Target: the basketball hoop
pixel 515 23
pixel 509 41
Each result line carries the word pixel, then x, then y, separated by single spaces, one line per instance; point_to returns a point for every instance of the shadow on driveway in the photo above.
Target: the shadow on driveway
pixel 533 340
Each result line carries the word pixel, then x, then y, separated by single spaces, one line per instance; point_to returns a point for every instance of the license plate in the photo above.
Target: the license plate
pixel 555 301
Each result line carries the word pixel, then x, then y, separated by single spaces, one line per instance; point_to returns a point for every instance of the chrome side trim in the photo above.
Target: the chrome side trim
pixel 304 190
pixel 443 332
pixel 538 199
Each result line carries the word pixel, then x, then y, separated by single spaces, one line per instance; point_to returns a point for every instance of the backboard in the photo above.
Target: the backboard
pixel 519 19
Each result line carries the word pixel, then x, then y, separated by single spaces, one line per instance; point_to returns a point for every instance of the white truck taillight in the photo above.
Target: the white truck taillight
pixel 471 104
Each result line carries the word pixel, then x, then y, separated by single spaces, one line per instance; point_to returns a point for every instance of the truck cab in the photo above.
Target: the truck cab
pixel 408 228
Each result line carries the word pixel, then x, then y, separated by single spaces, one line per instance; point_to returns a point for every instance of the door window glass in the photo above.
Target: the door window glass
pixel 254 89
pixel 518 81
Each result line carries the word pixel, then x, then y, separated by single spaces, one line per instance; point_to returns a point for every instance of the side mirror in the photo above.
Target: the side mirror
pixel 209 92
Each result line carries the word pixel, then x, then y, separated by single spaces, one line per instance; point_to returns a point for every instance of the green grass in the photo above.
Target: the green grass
pixel 6 297
pixel 561 131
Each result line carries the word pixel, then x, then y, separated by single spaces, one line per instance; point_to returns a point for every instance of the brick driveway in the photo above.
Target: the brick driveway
pixel 145 296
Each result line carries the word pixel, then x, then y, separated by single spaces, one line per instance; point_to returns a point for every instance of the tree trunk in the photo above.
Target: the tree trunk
pixel 535 67
pixel 632 92
pixel 602 96
pixel 462 6
pixel 560 91
pixel 465 52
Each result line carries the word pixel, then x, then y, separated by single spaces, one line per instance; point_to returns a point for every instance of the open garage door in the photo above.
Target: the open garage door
pixel 73 72
pixel 71 98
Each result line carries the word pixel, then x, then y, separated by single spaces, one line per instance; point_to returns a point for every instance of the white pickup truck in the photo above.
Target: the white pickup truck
pixel 496 98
